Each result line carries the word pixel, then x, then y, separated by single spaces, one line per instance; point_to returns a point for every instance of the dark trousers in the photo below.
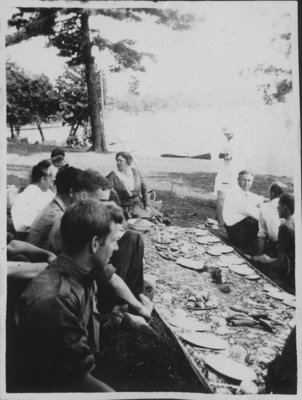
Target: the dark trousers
pixel 244 234
pixel 128 261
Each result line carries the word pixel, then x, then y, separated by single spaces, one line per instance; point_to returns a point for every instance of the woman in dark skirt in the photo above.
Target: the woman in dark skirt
pixel 131 189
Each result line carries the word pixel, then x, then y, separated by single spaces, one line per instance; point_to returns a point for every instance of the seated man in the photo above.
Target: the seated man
pixel 57 158
pixel 283 265
pixel 41 226
pixel 34 198
pixel 269 220
pixel 57 316
pixel 241 212
pixel 128 259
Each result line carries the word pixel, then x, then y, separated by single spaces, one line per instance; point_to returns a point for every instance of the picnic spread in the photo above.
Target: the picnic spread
pixel 229 318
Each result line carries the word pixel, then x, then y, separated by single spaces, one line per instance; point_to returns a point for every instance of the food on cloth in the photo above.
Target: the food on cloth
pixel 192 264
pixel 161 237
pixel 230 368
pixel 197 232
pixel 205 340
pixel 211 223
pixel 202 301
pixel 260 306
pixel 225 288
pixel 141 225
pixel 247 387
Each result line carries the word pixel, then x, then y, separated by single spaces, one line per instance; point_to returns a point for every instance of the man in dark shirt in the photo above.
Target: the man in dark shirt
pixel 40 228
pixel 128 259
pixel 284 263
pixel 57 318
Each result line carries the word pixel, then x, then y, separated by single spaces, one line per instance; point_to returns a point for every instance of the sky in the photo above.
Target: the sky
pixel 204 61
pixel 201 64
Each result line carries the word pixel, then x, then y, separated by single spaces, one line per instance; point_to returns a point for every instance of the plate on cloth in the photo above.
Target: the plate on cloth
pixel 268 288
pixel 140 225
pixel 214 251
pixel 225 249
pixel 205 308
pixel 253 277
pixel 189 324
pixel 232 259
pixel 242 269
pixel 230 368
pixel 206 340
pixel 258 306
pixel 276 294
pixel 289 302
pixel 202 240
pixel 161 239
pixel 192 264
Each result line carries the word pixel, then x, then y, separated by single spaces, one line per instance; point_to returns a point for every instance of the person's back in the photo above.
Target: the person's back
pixel 54 299
pixel 43 223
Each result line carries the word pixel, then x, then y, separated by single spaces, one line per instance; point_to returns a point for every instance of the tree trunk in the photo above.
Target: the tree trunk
pixel 41 132
pixel 97 127
pixel 12 130
pixel 17 129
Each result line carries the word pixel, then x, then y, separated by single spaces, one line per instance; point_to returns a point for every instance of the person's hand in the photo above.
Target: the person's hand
pixel 146 302
pixel 139 324
pixel 51 257
pixel 147 208
pixel 263 258
pixel 144 311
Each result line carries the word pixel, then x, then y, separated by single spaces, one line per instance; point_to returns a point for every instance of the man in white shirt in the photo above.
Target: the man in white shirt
pixel 269 220
pixel 34 198
pixel 241 212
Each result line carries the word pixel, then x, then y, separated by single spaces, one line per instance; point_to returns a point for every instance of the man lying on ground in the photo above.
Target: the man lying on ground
pixel 284 263
pixel 241 213
pixel 269 220
pixel 56 316
pixel 128 258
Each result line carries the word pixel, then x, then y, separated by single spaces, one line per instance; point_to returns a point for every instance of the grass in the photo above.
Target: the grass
pixel 187 195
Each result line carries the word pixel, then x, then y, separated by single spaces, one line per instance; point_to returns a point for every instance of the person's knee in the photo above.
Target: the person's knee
pixel 131 238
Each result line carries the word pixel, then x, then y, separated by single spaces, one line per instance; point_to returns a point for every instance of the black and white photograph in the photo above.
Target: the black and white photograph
pixel 150 166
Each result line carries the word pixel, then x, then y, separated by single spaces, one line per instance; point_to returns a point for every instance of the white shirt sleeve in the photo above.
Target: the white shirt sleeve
pixel 27 205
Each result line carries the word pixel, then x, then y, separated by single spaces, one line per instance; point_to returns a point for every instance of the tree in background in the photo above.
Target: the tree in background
pixel 68 30
pixel 30 100
pixel 278 78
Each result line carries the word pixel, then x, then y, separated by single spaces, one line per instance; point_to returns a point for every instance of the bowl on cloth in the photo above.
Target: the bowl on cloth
pixel 140 225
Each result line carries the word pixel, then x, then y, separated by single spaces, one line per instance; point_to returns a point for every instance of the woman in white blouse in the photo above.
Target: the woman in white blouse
pixel 131 188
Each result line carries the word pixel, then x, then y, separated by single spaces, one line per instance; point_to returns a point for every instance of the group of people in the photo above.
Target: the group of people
pixel 73 272
pixel 263 228
pixel 77 269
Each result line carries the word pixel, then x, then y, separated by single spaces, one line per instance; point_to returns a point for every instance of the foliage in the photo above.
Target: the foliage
pixel 68 30
pixel 73 98
pixel 29 99
pixel 277 79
